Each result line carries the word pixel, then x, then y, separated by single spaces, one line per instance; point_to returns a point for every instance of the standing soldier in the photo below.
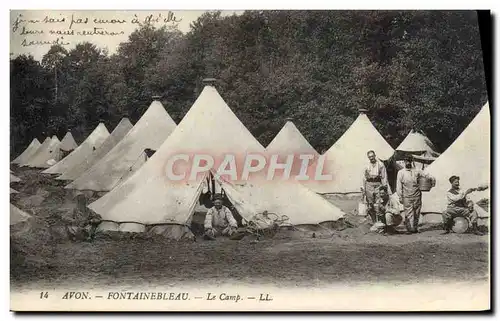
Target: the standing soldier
pixel 374 176
pixel 410 195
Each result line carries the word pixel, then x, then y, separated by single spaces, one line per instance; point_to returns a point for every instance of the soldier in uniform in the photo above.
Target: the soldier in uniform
pixel 219 221
pixel 410 195
pixel 459 205
pixel 374 176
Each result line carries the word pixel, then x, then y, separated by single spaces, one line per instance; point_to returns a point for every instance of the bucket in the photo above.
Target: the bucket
pixel 460 225
pixel 361 209
pixel 424 184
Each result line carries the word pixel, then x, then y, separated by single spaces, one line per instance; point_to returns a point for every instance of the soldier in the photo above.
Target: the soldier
pixel 459 205
pixel 219 221
pixel 410 195
pixel 387 210
pixel 84 222
pixel 374 176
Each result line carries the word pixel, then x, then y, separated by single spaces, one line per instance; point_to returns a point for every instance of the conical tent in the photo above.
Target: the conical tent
pixel 416 143
pixel 14 179
pixel 116 136
pixel 28 152
pixel 289 140
pixel 149 132
pixel 468 157
pixel 347 157
pixel 39 150
pixel 43 155
pixel 93 141
pixel 68 143
pixel 210 127
pixel 17 215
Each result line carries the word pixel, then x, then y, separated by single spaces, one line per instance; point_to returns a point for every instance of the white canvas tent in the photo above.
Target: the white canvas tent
pixel 347 157
pixel 419 146
pixel 469 158
pixel 290 140
pixel 116 135
pixel 17 215
pixel 39 150
pixel 148 199
pixel 48 151
pixel 416 143
pixel 150 132
pixel 28 152
pixel 14 179
pixel 68 143
pixel 91 143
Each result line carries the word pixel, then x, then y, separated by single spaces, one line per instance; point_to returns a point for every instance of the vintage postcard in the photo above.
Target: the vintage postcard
pixel 266 160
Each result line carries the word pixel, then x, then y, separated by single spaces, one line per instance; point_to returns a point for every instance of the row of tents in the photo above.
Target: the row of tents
pixel 16 215
pixel 138 197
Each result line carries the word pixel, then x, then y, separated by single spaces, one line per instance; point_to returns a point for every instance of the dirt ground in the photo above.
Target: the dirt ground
pixel 351 254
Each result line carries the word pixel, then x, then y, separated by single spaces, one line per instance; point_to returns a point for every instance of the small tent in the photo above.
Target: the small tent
pixel 46 153
pixel 17 215
pixel 91 143
pixel 116 136
pixel 290 140
pixel 469 158
pixel 419 146
pixel 149 200
pixel 150 131
pixel 28 152
pixel 347 157
pixel 13 191
pixel 14 179
pixel 416 143
pixel 39 150
pixel 68 143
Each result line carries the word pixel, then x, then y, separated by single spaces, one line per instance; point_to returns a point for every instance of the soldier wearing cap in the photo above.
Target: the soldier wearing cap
pixel 459 205
pixel 219 221
pixel 409 193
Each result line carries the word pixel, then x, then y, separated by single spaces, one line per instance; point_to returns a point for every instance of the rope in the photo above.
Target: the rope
pixel 275 222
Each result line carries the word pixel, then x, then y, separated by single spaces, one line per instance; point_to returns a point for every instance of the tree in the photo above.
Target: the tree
pixel 417 70
pixel 53 61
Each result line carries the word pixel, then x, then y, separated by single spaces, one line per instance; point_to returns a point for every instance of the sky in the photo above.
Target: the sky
pixel 34 31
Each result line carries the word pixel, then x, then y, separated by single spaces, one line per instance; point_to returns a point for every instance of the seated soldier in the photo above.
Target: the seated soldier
pixel 459 205
pixel 84 221
pixel 387 211
pixel 219 221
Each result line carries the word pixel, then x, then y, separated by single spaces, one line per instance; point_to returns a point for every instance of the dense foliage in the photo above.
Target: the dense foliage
pixel 413 69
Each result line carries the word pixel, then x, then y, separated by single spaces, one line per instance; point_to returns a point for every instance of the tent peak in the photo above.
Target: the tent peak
pixel 209 81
